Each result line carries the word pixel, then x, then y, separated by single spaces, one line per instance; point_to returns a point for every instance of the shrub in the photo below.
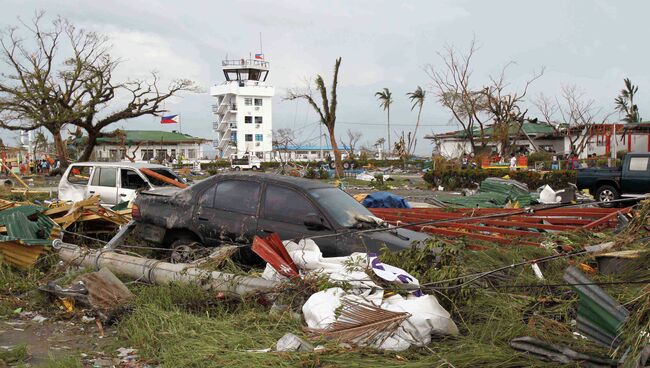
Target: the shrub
pixel 620 154
pixel 539 157
pixel 457 179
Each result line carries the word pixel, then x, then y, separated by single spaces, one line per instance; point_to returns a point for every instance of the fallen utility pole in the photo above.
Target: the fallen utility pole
pixel 159 272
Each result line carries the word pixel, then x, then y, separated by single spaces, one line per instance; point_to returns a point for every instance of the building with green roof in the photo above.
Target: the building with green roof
pixel 147 145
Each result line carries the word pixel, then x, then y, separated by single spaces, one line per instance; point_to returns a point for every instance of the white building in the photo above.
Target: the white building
pixel 243 110
pixel 147 145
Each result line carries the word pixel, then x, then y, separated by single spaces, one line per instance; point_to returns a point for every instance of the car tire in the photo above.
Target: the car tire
pixel 254 168
pixel 606 193
pixel 237 168
pixel 332 165
pixel 346 165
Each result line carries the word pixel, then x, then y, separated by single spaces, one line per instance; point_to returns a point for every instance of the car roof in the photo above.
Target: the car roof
pixel 273 178
pixel 133 165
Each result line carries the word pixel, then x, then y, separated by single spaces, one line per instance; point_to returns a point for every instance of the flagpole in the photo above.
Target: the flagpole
pixel 180 128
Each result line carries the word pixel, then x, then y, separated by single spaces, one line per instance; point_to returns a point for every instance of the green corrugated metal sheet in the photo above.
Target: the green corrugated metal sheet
pixel 34 231
pixel 137 136
pixel 493 193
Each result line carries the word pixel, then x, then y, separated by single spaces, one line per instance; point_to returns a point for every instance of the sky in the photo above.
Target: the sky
pixel 383 44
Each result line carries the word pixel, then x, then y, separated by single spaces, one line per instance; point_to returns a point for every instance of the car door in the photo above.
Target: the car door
pixel 284 211
pixel 104 184
pixel 636 177
pixel 233 214
pixel 130 183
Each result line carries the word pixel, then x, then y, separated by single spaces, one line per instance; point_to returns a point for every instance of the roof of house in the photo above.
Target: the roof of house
pixel 530 128
pixel 303 148
pixel 157 136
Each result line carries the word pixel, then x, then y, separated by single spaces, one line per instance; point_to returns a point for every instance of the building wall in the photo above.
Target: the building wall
pixel 238 95
pixel 103 152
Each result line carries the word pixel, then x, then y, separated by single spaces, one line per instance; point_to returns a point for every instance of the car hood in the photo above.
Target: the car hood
pixel 162 191
pixel 372 242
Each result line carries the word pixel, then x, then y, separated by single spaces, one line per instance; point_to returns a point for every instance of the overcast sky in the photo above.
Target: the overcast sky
pixel 593 44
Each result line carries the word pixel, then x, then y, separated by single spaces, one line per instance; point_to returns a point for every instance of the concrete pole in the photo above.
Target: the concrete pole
pixel 158 272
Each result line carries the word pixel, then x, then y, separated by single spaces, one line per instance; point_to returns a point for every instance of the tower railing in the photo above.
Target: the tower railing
pixel 246 62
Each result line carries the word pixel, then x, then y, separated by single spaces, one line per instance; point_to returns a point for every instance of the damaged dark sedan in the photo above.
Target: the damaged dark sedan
pixel 236 207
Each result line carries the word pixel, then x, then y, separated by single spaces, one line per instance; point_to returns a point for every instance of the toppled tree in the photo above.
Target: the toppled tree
pixel 625 102
pixel 572 115
pixel 61 75
pixel 417 98
pixel 385 98
pixel 327 110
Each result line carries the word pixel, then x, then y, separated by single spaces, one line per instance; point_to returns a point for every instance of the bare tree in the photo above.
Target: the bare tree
pixel 353 139
pixel 327 110
pixel 125 145
pixel 572 115
pixel 62 75
pixel 452 87
pixel 504 108
pixel 284 138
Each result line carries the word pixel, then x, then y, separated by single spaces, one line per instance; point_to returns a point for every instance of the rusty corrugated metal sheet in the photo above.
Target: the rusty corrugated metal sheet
pixel 19 254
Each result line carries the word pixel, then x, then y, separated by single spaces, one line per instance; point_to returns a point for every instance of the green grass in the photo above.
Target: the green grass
pixel 62 362
pixel 15 355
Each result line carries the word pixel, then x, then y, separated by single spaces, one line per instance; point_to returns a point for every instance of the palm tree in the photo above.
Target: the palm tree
pixel 417 98
pixel 625 102
pixel 385 98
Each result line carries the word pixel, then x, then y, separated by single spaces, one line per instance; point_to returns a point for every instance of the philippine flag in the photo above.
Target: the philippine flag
pixel 259 56
pixel 169 119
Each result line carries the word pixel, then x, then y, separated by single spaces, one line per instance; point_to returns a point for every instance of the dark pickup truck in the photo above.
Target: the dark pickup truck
pixel 238 206
pixel 632 179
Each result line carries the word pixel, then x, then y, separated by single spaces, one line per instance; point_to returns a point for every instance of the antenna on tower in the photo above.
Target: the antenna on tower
pixel 261 50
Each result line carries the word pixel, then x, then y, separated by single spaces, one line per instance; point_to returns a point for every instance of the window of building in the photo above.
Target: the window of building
pixel 258 102
pixel 105 177
pixel 191 153
pixel 259 137
pixel 79 174
pixel 237 196
pixel 258 120
pixel 129 179
pixel 113 154
pixel 275 207
pixel 147 154
pixel 181 152
pixel 122 154
pixel 248 137
pixel 173 153
pixel 161 154
pixel 248 119
pixel 249 101
pixel 638 163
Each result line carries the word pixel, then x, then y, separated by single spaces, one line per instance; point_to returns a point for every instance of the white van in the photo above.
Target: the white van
pixel 114 182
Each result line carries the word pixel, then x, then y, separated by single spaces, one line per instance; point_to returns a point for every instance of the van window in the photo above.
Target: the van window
pixel 130 179
pixel 105 177
pixel 237 196
pixel 79 174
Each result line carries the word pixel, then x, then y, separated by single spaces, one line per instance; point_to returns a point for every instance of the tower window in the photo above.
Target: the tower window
pixel 248 119
pixel 258 120
pixel 259 137
pixel 258 102
pixel 249 101
pixel 248 138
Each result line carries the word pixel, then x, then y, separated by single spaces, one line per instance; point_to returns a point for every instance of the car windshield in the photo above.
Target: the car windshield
pixel 342 207
pixel 165 172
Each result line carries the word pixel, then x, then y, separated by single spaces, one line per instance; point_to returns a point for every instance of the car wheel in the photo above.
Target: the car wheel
pixel 346 165
pixel 332 165
pixel 237 168
pixel 185 251
pixel 605 194
pixel 254 168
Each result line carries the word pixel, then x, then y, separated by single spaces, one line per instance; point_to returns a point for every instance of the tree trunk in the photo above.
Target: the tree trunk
pixel 390 148
pixel 90 145
pixel 415 132
pixel 337 153
pixel 60 147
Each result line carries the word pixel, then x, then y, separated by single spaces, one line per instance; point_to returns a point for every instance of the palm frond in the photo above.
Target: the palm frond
pixel 361 323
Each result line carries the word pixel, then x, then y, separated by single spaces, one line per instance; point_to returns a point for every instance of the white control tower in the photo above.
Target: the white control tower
pixel 243 109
